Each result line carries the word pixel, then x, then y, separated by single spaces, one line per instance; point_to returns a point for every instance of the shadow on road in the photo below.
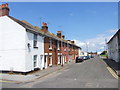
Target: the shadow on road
pixel 114 65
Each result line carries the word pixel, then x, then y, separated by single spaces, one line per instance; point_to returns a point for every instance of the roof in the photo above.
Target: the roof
pixel 38 30
pixel 113 36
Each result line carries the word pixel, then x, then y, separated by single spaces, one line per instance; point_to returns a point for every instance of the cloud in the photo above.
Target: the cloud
pixel 112 31
pixel 97 43
pixel 79 43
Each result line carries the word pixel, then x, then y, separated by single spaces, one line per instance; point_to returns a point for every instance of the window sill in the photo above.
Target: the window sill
pixel 58 49
pixel 50 48
pixel 36 47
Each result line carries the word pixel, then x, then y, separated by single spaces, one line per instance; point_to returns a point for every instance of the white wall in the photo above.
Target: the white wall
pixel 12 45
pixel 30 52
pixel 113 49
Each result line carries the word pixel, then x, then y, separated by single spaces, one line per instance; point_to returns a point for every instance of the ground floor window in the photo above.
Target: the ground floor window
pixel 35 60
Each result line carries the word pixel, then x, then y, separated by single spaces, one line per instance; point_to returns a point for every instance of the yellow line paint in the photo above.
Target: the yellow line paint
pixel 113 73
pixel 4 81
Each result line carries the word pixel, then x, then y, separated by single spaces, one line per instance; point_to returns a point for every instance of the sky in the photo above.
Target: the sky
pixel 88 23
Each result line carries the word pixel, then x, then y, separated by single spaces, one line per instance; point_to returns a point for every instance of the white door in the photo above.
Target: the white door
pixel 63 59
pixel 46 61
pixel 50 60
pixel 58 59
pixel 41 59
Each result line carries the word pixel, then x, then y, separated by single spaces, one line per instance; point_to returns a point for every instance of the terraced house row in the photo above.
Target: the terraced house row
pixel 24 47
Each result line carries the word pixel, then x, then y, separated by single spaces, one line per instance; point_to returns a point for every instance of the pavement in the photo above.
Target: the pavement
pixel 112 64
pixel 18 78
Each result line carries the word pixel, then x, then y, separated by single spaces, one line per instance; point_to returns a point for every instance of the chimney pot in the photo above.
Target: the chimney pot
pixel 6 4
pixel 59 31
pixel 44 24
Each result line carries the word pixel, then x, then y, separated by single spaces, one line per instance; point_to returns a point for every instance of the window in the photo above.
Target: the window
pixel 58 45
pixel 50 44
pixel 35 41
pixel 69 48
pixel 35 60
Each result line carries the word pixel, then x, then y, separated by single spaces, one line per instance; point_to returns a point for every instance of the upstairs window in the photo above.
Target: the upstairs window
pixel 35 41
pixel 50 44
pixel 58 45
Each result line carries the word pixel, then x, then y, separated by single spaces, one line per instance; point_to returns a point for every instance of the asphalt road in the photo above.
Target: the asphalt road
pixel 91 73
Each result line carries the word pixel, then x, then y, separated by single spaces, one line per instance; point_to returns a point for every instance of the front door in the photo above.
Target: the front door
pixel 45 61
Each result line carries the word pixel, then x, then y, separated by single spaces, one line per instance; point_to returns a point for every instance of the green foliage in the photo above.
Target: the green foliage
pixel 104 53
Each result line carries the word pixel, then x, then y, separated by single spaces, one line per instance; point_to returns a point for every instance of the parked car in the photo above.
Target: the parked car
pixel 86 57
pixel 92 56
pixel 79 59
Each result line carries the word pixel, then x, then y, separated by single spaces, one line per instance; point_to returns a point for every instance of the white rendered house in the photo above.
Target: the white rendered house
pixel 21 45
pixel 114 47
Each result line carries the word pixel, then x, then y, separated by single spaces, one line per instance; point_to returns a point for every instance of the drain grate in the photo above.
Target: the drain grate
pixel 37 75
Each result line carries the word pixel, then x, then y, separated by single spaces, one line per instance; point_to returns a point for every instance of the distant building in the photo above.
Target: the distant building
pixel 114 47
pixel 92 54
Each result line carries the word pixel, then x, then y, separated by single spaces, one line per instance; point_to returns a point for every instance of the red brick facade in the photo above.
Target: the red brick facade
pixel 59 51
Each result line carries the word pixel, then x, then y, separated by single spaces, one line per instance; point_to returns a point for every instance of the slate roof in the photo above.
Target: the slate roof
pixel 38 30
pixel 113 36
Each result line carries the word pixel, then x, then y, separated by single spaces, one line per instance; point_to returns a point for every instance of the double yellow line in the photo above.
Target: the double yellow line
pixel 5 81
pixel 8 81
pixel 113 73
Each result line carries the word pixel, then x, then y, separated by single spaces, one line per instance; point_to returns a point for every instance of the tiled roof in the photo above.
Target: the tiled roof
pixel 36 29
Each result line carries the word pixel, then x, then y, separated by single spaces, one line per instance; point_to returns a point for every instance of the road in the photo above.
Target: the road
pixel 91 73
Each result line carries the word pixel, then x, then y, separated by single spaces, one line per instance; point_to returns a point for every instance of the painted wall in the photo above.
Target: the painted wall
pixel 12 45
pixel 113 49
pixel 31 51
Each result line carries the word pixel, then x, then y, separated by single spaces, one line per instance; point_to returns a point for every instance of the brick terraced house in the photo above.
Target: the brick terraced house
pixel 24 47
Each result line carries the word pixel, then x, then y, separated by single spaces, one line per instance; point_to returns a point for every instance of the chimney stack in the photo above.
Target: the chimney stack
pixel 63 36
pixel 4 10
pixel 59 34
pixel 44 27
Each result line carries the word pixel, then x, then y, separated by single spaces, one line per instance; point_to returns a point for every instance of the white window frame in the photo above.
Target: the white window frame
pixel 35 40
pixel 58 45
pixel 50 44
pixel 35 57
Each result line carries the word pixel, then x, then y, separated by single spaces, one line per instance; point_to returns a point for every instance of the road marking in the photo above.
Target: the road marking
pixel 4 81
pixel 8 81
pixel 113 73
